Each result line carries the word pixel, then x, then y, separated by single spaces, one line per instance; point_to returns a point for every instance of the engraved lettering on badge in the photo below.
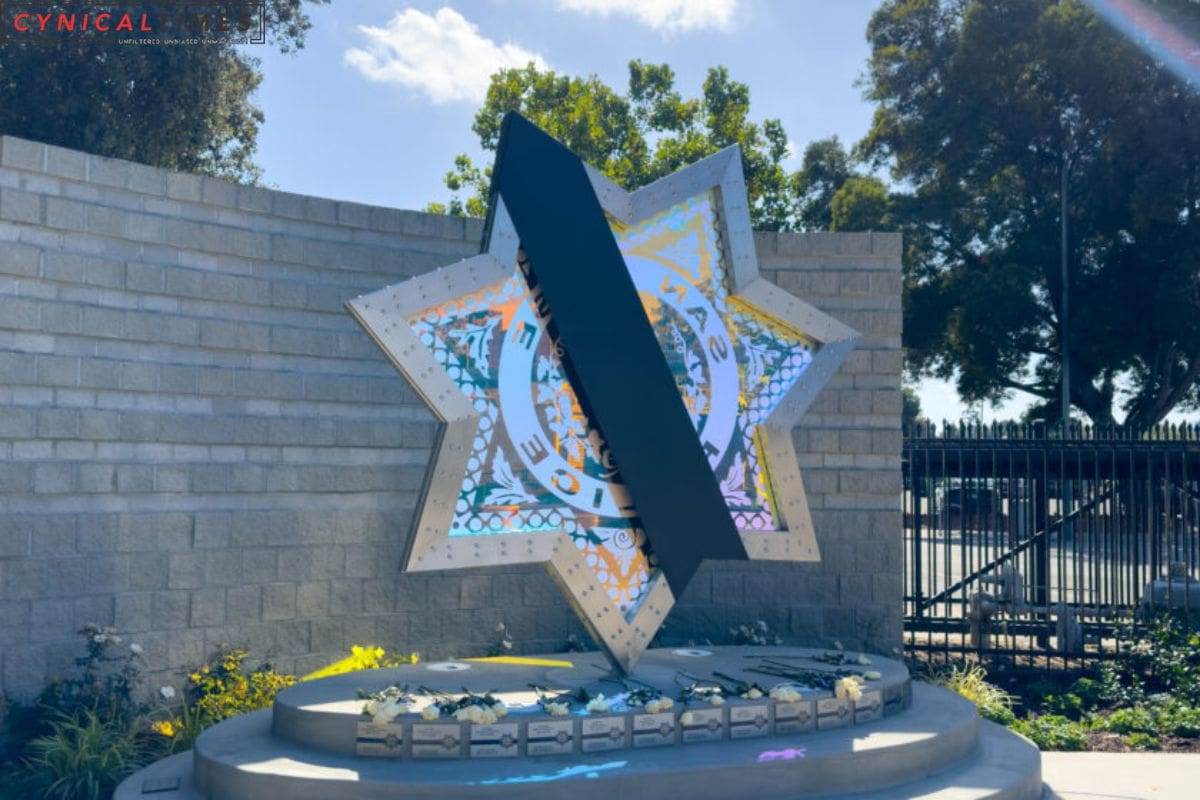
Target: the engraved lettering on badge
pixel 603 733
pixel 550 737
pixel 436 741
pixel 707 725
pixel 381 740
pixel 794 717
pixel 495 741
pixel 746 722
pixel 833 713
pixel 654 730
pixel 868 707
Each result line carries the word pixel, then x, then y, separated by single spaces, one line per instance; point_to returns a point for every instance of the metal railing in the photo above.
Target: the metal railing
pixel 1035 543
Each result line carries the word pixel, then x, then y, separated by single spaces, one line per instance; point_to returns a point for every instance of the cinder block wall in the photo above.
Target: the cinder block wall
pixel 198 445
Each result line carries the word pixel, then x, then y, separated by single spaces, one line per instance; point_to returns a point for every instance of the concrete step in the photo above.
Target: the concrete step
pixel 1004 766
pixel 937 749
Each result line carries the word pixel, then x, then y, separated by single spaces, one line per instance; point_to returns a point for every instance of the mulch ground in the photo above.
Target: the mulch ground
pixel 1103 742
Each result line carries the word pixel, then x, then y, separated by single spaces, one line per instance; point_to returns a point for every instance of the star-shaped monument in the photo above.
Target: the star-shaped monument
pixel 617 384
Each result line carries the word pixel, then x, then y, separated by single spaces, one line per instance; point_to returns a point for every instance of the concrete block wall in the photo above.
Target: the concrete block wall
pixel 199 446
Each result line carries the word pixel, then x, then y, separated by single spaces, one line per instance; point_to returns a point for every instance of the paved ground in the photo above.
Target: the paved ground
pixel 1122 776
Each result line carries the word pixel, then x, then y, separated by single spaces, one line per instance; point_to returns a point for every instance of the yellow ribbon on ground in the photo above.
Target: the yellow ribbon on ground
pixel 529 662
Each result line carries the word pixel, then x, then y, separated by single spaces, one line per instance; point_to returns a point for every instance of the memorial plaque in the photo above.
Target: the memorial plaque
pixel 541 457
pixel 602 733
pixel 892 699
pixel 550 737
pixel 795 717
pixel 654 730
pixel 437 740
pixel 834 713
pixel 707 725
pixel 748 721
pixel 501 740
pixel 868 707
pixel 380 740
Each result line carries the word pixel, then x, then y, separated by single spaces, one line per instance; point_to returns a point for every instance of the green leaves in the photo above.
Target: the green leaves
pixel 982 106
pixel 636 137
pixel 182 108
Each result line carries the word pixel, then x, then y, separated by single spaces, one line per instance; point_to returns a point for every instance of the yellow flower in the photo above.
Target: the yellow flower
pixel 164 728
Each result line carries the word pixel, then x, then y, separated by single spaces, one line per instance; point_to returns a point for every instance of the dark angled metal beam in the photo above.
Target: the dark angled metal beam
pixel 612 356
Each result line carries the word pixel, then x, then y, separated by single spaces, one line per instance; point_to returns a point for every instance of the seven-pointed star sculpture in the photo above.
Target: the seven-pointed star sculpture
pixel 617 386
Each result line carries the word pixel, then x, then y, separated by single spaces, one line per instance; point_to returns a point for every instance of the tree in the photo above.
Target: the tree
pixel 825 169
pixel 983 105
pixel 180 107
pixel 634 138
pixel 910 411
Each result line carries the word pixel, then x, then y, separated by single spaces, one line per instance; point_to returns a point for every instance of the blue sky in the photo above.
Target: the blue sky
pixel 381 98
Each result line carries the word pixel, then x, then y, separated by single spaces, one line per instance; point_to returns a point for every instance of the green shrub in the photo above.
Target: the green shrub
pixel 84 757
pixel 1089 691
pixel 1179 719
pixel 1135 719
pixel 971 682
pixel 1141 741
pixel 1165 658
pixel 1052 732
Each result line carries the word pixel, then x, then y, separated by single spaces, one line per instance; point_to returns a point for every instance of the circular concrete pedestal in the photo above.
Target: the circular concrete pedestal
pixel 315 743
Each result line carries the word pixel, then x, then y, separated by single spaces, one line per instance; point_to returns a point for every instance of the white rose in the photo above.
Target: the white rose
pixel 388 711
pixel 665 703
pixel 652 707
pixel 847 689
pixel 784 694
pixel 598 705
pixel 687 718
pixel 864 661
pixel 429 713
pixel 135 648
pixel 753 694
pixel 500 710
pixel 873 675
pixel 557 709
pixel 716 700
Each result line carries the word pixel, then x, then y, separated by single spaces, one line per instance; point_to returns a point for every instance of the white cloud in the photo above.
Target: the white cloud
pixel 793 152
pixel 664 16
pixel 442 55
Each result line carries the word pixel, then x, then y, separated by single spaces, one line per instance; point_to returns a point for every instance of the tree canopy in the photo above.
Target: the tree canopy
pixel 185 108
pixel 651 131
pixel 982 105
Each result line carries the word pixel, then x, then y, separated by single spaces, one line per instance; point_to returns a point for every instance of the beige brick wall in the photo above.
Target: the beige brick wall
pixel 198 445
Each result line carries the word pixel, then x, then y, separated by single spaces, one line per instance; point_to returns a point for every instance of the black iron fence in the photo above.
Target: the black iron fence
pixel 1037 544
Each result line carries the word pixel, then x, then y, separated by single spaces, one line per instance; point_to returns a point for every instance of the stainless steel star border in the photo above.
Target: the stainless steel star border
pixel 384 315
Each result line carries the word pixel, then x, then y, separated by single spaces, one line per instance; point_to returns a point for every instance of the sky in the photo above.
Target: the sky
pixel 381 98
